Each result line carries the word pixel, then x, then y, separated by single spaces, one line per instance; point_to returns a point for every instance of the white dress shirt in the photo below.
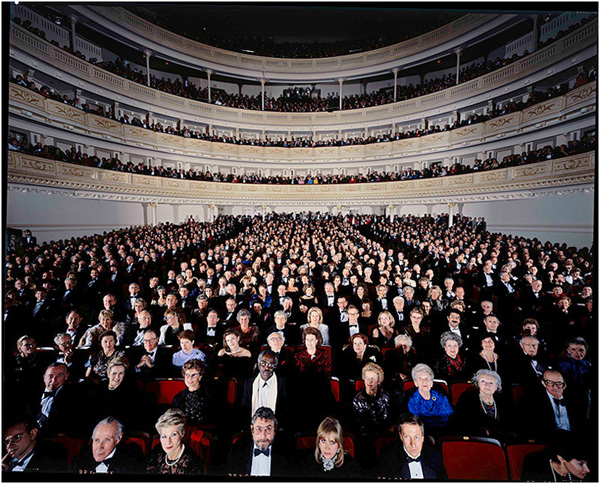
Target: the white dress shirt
pixel 415 468
pixel 261 464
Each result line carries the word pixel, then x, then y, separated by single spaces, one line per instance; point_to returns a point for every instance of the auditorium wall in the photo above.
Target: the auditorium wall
pixel 559 218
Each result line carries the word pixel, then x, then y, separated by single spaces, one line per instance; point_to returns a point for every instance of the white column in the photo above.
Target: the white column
pixel 208 74
pixel 458 52
pixel 263 209
pixel 153 206
pixel 262 93
pixel 535 32
pixel 74 20
pixel 395 71
pixel 211 213
pixel 341 81
pixel 147 53
pixel 451 206
pixel 391 212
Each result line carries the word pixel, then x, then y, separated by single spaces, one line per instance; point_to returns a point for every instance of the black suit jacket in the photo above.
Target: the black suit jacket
pixel 162 367
pixel 393 463
pixel 240 460
pixel 280 406
pixel 541 422
pixel 63 413
pixel 127 460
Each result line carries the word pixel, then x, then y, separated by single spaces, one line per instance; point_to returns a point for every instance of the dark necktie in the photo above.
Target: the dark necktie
pixel 267 451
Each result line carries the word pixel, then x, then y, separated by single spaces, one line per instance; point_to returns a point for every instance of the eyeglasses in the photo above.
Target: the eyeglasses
pixel 353 314
pixel 268 429
pixel 265 364
pixel 150 340
pixel 15 439
pixel 551 383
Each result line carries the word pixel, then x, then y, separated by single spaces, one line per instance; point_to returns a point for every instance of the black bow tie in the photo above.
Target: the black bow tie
pixel 106 462
pixel 267 451
pixel 558 402
pixel 48 394
pixel 410 459
pixel 354 325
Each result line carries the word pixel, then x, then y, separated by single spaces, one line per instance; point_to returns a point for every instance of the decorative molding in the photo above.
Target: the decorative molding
pixel 561 49
pixel 55 113
pixel 565 175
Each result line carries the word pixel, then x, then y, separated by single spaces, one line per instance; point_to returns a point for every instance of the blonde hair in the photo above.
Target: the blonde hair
pixel 172 418
pixel 375 368
pixel 317 310
pixel 330 426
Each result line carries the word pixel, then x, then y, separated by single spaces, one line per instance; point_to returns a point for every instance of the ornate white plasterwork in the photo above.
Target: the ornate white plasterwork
pixel 538 179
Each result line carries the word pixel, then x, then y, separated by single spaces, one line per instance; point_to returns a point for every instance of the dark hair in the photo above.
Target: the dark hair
pixel 187 334
pixel 314 331
pixel 266 414
pixel 110 332
pixel 193 364
pixel 410 419
pixel 567 447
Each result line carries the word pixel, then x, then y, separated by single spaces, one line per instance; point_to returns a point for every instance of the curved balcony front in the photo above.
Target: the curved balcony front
pixel 579 103
pixel 574 48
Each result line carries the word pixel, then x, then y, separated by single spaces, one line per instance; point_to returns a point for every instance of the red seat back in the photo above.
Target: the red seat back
pixel 475 459
pixel 457 389
pixel 359 385
pixel 165 390
pixel 231 392
pixel 335 389
pixel 516 454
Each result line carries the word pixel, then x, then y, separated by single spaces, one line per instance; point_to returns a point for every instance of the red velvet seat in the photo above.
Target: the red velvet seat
pixel 457 389
pixel 474 459
pixel 516 453
pixel 335 388
pixel 165 390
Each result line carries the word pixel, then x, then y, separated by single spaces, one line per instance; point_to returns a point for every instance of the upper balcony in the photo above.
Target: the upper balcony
pixel 146 35
pixel 569 50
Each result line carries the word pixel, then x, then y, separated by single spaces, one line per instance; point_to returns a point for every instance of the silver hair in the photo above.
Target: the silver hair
pixel 108 421
pixel 243 312
pixel 59 336
pixel 271 336
pixel 491 373
pixel 279 313
pixel 398 298
pixel 421 368
pixel 403 336
pixel 450 336
pixel 529 336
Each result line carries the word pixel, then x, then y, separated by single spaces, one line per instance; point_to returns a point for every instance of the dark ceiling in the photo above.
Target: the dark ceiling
pixel 299 22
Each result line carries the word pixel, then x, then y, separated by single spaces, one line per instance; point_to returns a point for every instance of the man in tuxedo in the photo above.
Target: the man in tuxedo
pixel 454 324
pixel 341 334
pixel 409 458
pixel 108 455
pixel 382 302
pixel 288 331
pixel 397 311
pixel 548 408
pixel 23 451
pixel 267 389
pixel 74 327
pixel 526 366
pixel 259 456
pixel 73 358
pixel 153 361
pixel 211 333
pixel 58 403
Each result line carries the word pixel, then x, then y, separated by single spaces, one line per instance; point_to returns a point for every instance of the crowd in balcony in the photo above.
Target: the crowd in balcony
pixel 499 109
pixel 434 171
pixel 286 103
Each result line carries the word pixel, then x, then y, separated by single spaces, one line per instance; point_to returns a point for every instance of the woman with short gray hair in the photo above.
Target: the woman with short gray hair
pixel 429 404
pixel 450 366
pixel 480 410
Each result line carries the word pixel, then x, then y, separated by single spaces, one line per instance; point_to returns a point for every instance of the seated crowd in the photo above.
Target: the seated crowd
pixel 499 109
pixel 436 170
pixel 354 336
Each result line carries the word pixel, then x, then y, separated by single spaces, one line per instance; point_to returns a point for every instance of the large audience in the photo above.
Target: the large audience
pixel 302 322
pixel 435 170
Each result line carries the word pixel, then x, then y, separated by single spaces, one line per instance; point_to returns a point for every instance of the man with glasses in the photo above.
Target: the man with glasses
pixel 259 456
pixel 153 361
pixel 343 331
pixel 24 453
pixel 265 390
pixel 550 408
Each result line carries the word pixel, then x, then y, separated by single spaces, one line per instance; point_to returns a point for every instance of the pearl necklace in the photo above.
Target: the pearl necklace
pixel 176 460
pixel 554 473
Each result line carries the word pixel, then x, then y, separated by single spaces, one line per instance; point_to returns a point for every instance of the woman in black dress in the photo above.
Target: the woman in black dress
pixel 194 401
pixel 330 460
pixel 451 366
pixel 173 456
